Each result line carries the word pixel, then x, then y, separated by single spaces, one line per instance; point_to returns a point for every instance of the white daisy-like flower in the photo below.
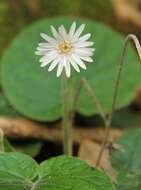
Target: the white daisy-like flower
pixel 66 49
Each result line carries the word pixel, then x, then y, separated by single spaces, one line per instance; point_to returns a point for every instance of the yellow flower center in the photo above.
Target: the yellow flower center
pixel 65 47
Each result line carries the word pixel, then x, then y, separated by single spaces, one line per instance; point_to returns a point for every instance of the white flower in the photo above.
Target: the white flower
pixel 65 49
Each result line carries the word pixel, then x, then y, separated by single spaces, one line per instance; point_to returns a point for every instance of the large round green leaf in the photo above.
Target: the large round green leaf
pixel 37 94
pixel 6 109
pixel 18 171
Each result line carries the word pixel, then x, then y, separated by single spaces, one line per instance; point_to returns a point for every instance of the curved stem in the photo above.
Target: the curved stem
pixel 116 89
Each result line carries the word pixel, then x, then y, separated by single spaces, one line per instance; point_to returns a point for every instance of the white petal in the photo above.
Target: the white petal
pixel 44 48
pixel 47 60
pixel 87 59
pixel 84 51
pixel 54 32
pixel 79 61
pixel 75 66
pixel 46 45
pixel 60 68
pixel 79 31
pixel 67 67
pixel 43 64
pixel 83 44
pixel 72 29
pixel 85 37
pixel 63 32
pixel 48 38
pixel 39 53
pixel 88 49
pixel 42 52
pixel 49 55
pixel 53 64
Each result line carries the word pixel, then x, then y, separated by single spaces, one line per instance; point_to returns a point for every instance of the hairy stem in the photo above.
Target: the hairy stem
pixel 116 90
pixel 67 128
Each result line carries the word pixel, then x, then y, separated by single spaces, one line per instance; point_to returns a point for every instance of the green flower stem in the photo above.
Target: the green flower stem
pixel 1 141
pixel 75 97
pixel 67 125
pixel 116 90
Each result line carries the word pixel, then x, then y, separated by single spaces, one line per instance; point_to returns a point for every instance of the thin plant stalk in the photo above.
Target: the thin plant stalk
pixel 95 100
pixel 74 101
pixel 67 128
pixel 1 141
pixel 129 38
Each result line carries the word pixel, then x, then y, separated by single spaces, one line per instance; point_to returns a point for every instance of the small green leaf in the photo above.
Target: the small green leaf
pixel 7 146
pixel 36 93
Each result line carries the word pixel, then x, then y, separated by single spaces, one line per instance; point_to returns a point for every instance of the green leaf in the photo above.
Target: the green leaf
pixel 128 159
pixel 30 147
pixel 71 173
pixel 16 171
pixel 20 172
pixel 6 109
pixel 7 146
pixel 126 117
pixel 130 182
pixel 36 93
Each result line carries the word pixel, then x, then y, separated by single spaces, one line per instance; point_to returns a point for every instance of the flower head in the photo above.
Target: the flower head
pixel 64 50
